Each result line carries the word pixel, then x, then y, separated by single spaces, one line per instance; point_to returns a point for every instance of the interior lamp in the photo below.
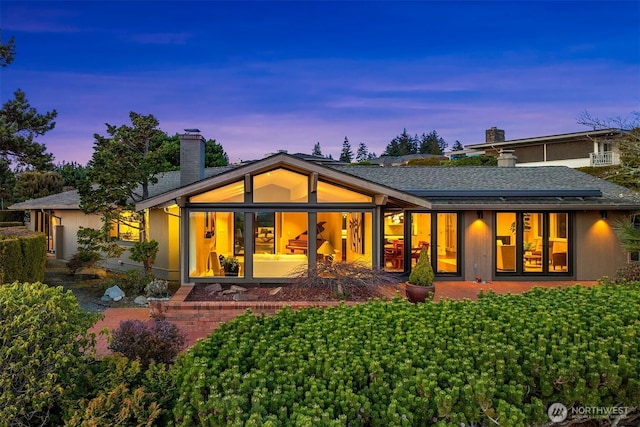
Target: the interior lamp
pixel 326 250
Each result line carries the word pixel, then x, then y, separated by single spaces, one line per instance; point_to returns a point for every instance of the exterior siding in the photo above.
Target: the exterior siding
pixel 597 250
pixel 569 150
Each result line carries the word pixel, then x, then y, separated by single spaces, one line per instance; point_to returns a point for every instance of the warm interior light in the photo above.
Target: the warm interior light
pixel 326 249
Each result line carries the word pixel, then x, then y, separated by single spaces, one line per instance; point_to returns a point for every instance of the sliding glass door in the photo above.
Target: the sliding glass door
pixel 532 243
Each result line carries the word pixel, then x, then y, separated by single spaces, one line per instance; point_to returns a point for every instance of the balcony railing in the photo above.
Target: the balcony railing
pixel 606 158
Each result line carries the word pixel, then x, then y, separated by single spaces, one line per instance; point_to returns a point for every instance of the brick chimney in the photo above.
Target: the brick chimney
pixel 494 135
pixel 191 157
pixel 507 159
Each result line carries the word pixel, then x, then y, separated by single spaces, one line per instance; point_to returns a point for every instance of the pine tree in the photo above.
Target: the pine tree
pixel 362 153
pixel 316 150
pixel 346 155
pixel 402 145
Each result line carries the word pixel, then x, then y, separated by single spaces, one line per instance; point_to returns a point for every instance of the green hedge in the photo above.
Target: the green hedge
pixel 501 360
pixel 22 258
pixel 12 216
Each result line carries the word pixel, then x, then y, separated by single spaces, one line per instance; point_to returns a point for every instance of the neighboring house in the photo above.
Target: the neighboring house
pixel 279 215
pixel 578 149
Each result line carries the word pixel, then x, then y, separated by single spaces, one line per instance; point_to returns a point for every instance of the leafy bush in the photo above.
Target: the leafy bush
pixel 629 272
pixel 43 348
pixel 160 341
pixel 499 361
pixel 119 392
pixel 144 252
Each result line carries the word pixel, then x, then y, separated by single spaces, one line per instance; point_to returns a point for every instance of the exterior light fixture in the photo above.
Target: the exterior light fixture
pixel 603 214
pixel 480 214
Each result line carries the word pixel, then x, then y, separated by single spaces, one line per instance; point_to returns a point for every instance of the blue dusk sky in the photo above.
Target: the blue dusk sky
pixel 262 76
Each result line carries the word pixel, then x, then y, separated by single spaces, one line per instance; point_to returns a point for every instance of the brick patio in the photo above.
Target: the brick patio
pixel 199 319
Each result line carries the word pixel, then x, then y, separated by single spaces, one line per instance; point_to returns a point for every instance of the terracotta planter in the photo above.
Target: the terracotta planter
pixel 417 294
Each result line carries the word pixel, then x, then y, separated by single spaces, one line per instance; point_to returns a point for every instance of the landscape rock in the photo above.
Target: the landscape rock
pixel 213 288
pixel 245 297
pixel 115 293
pixel 140 300
pixel 275 291
pixel 238 288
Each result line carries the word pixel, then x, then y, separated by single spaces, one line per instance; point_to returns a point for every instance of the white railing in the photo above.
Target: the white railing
pixel 605 159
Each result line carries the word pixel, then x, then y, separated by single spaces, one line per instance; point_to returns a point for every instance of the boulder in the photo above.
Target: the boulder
pixel 140 300
pixel 115 293
pixel 213 288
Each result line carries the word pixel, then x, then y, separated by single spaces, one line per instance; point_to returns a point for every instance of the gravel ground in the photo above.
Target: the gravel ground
pixel 88 292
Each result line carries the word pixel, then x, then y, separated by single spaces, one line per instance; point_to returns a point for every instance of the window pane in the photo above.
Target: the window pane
pixel 212 243
pixel 231 193
pixel 447 251
pixel 280 185
pixel 505 241
pixel 420 235
pixel 281 244
pixel 533 244
pixel 328 193
pixel 394 240
pixel 558 243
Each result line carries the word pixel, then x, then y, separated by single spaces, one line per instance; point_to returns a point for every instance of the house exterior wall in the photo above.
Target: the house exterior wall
pixel 597 250
pixel 569 150
pixel 478 246
pixel 164 227
pixel 71 221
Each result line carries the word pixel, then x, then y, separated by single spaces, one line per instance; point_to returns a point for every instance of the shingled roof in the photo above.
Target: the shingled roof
pixel 451 187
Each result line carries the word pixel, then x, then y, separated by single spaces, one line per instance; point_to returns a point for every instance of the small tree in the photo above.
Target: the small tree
pixel 422 274
pixel 145 252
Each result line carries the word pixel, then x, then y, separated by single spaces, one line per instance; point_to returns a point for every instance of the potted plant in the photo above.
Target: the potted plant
pixel 420 285
pixel 230 265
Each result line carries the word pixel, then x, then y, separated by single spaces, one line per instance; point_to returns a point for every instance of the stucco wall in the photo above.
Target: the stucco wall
pixel 71 221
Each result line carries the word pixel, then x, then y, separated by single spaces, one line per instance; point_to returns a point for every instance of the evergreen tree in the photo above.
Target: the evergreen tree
pixel 432 144
pixel 122 168
pixel 168 148
pixel 346 155
pixel 401 145
pixel 457 146
pixel 72 174
pixel 35 184
pixel 316 150
pixel 363 153
pixel 20 124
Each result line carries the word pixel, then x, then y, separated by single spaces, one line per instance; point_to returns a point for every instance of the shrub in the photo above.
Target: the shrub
pixel 157 289
pixel 422 273
pixel 502 360
pixel 119 392
pixel 160 341
pixel 629 272
pixel 44 344
pixel 343 278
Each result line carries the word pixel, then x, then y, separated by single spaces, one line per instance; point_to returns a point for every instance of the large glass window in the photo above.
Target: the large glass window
pixel 328 193
pixel 213 243
pixel 281 243
pixel 436 232
pixel 532 242
pixel 447 243
pixel 127 227
pixel 280 185
pixel 230 193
